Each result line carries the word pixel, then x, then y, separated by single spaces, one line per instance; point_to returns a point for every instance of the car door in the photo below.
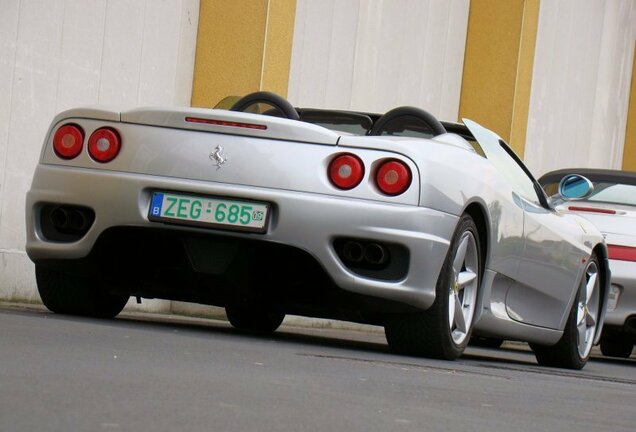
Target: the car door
pixel 553 258
pixel 552 255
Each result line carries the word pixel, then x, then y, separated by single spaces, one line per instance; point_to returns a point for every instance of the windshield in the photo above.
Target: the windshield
pixel 610 186
pixel 501 156
pixel 342 121
pixel 614 193
pixel 605 192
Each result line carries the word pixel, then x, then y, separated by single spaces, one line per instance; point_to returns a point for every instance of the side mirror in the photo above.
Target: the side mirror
pixel 574 186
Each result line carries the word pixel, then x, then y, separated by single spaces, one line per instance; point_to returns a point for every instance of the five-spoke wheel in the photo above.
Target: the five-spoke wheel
pixel 587 311
pixel 573 349
pixel 462 293
pixel 444 329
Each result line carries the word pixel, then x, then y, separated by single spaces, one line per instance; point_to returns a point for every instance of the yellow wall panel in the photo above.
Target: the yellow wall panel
pixel 498 66
pixel 242 46
pixel 523 84
pixel 278 45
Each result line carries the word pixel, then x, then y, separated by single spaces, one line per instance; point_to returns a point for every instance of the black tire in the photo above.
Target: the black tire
pixel 565 354
pixel 253 319
pixel 272 99
pixel 429 333
pixel 616 347
pixel 485 342
pixel 75 295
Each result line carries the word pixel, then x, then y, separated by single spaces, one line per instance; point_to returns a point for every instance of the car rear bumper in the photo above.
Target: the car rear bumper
pixel 623 282
pixel 310 222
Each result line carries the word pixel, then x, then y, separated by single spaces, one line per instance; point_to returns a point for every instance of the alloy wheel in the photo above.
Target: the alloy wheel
pixel 588 309
pixel 462 295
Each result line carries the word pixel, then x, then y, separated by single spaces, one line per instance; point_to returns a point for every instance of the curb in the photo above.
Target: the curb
pixel 215 314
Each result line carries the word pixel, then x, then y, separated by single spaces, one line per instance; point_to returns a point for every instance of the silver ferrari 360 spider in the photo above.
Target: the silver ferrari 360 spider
pixel 434 230
pixel 612 208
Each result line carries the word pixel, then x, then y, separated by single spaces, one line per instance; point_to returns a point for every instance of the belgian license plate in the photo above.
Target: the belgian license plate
pixel 209 211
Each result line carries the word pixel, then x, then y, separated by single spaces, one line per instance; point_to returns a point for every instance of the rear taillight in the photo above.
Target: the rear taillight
pixel 68 141
pixel 104 144
pixel 346 171
pixel 621 253
pixel 393 177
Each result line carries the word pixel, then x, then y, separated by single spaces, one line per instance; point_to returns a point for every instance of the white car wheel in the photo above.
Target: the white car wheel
pixel 462 292
pixel 574 348
pixel 443 331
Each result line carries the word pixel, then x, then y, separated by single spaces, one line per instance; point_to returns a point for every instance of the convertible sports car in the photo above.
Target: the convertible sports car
pixel 432 230
pixel 612 208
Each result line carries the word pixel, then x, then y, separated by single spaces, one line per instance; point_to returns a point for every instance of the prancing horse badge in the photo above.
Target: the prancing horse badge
pixel 218 157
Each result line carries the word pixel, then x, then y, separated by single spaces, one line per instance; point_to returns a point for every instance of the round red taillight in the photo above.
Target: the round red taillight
pixel 104 144
pixel 68 141
pixel 393 177
pixel 346 171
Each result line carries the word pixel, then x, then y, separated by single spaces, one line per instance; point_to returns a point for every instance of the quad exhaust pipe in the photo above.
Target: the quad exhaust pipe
pixel 373 254
pixel 67 219
pixel 353 251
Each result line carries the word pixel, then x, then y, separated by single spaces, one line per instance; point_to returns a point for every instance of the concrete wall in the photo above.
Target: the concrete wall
pixel 350 54
pixel 581 84
pixel 57 54
pixel 380 54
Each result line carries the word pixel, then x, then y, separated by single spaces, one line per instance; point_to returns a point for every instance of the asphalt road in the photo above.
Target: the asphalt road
pixel 150 373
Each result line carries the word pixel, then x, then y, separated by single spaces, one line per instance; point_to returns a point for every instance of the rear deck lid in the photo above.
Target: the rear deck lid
pixel 232 123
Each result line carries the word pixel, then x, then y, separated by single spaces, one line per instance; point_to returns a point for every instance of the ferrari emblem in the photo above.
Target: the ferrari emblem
pixel 218 157
pixel 456 287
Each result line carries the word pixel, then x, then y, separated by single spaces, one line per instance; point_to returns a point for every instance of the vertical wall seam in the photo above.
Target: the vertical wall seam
pixel 61 57
pixel 564 102
pixel 516 84
pixel 422 87
pixel 597 72
pixel 355 54
pixel 323 102
pixel 3 187
pixel 264 56
pixel 300 62
pixel 461 86
pixel 141 50
pixel 101 57
pixel 444 63
pixel 176 74
pixel 628 158
pixel 525 54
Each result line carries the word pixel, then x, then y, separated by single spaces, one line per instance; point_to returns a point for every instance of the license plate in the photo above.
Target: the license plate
pixel 209 211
